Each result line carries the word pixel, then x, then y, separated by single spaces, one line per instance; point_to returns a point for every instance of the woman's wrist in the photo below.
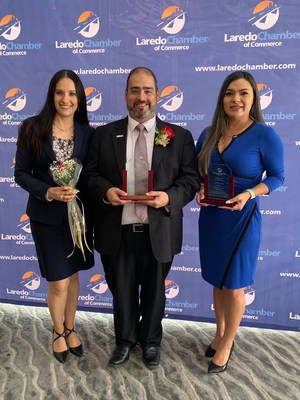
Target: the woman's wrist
pixel 47 197
pixel 251 193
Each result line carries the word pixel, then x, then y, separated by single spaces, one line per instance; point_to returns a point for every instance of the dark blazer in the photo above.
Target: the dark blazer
pixel 174 171
pixel 34 177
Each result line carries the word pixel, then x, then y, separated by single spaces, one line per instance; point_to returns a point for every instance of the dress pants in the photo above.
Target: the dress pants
pixel 137 282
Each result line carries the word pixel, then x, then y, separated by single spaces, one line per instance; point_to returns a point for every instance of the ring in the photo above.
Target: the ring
pixel 62 196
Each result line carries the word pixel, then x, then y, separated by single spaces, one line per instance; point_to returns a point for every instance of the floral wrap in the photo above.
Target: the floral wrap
pixel 67 173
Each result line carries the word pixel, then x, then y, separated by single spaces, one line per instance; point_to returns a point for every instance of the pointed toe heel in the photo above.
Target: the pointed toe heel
pixel 210 352
pixel 216 369
pixel 60 356
pixel 78 350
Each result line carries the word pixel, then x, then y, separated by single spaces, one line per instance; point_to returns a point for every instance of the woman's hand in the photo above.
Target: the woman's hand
pixel 239 201
pixel 61 193
pixel 200 196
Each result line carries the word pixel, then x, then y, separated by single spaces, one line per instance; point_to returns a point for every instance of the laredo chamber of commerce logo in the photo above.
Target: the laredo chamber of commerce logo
pixel 94 102
pixel 171 99
pixel 265 98
pixel 249 295
pixel 98 284
pixel 254 314
pixel 172 21
pixel 30 282
pixel 265 95
pixel 265 15
pixel 15 99
pixel 23 238
pixel 171 289
pixel 97 287
pixel 93 99
pixel 88 26
pixel 10 29
pixel 174 306
pixel 14 102
pixel 25 223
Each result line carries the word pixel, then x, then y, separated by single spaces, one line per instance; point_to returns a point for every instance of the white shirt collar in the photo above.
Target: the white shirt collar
pixel 149 124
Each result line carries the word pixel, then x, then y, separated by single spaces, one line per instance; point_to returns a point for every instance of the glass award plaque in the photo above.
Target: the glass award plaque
pixel 218 185
pixel 137 196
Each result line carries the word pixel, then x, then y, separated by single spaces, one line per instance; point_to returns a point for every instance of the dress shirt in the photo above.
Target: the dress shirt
pixel 129 216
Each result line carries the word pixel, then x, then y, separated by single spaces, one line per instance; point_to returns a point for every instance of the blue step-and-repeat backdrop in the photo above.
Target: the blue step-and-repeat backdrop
pixel 191 46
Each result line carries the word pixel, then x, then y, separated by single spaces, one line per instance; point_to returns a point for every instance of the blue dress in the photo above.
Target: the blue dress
pixel 229 241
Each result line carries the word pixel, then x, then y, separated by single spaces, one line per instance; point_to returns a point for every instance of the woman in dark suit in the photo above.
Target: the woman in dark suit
pixel 58 133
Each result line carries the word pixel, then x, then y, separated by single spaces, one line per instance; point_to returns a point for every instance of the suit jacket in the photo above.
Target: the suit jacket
pixel 174 171
pixel 34 177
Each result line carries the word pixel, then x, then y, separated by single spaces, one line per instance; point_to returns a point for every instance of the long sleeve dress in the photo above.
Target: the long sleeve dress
pixel 229 241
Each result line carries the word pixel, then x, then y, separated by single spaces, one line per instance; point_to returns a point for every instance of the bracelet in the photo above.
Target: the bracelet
pixel 252 194
pixel 47 198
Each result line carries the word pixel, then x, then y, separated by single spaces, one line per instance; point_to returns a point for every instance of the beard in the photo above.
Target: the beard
pixel 140 114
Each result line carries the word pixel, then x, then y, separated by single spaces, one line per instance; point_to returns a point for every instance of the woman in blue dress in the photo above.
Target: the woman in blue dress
pixel 230 235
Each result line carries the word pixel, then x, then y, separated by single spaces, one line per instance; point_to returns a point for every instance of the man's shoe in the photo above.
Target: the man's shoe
pixel 151 357
pixel 119 356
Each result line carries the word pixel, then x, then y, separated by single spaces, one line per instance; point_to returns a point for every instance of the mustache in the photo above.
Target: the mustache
pixel 147 102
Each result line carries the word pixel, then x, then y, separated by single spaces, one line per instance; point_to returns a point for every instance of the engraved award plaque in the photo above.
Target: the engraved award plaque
pixel 148 187
pixel 218 185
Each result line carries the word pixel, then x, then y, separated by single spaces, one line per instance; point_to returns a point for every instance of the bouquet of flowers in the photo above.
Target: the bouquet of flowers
pixel 67 173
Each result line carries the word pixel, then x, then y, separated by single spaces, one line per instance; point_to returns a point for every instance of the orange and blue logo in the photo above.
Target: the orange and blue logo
pixel 171 289
pixel 93 99
pixel 31 280
pixel 88 24
pixel 25 223
pixel 265 95
pixel 98 284
pixel 171 98
pixel 173 20
pixel 265 15
pixel 10 27
pixel 15 99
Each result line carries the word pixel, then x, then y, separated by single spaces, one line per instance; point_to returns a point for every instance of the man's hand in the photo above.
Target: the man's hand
pixel 161 199
pixel 113 197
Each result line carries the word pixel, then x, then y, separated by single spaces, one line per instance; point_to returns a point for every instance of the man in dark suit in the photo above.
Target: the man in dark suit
pixel 137 254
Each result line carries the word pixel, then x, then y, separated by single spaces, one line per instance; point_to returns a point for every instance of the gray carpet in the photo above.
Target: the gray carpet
pixel 265 364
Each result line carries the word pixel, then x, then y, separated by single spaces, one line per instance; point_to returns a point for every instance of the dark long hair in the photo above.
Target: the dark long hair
pixel 34 131
pixel 220 119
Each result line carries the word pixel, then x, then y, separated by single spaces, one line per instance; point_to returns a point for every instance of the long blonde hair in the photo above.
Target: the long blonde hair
pixel 219 122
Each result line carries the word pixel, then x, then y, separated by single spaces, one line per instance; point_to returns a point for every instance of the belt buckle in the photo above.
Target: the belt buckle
pixel 138 228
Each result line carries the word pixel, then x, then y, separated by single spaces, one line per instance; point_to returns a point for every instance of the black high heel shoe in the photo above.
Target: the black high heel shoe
pixel 77 351
pixel 215 369
pixel 61 356
pixel 210 352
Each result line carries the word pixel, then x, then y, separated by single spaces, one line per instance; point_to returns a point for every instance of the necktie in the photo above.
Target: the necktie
pixel 141 167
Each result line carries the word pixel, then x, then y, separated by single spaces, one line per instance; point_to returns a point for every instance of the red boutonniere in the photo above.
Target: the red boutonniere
pixel 164 135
